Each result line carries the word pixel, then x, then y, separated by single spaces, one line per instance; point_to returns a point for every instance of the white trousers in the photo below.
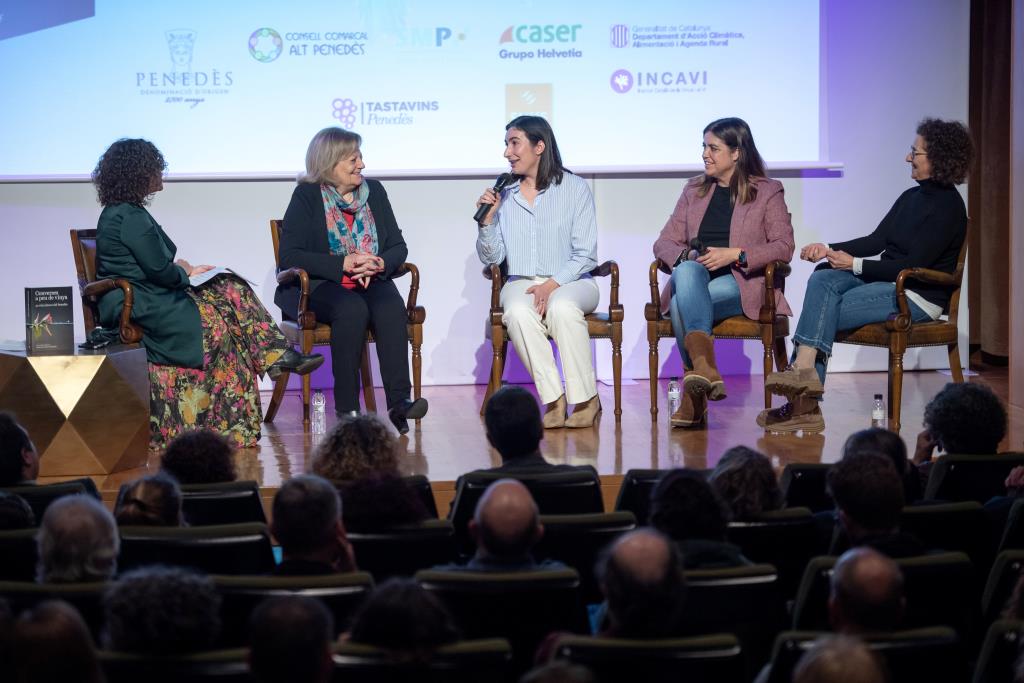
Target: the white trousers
pixel 564 322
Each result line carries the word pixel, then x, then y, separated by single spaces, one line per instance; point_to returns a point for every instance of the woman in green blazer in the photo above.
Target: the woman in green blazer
pixel 205 345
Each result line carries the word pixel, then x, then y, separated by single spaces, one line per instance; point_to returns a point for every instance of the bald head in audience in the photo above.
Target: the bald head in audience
pixel 77 541
pixel 641 576
pixel 867 592
pixel 506 523
pixel 839 659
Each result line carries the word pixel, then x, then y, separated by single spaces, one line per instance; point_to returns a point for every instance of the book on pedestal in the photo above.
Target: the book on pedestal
pixel 49 320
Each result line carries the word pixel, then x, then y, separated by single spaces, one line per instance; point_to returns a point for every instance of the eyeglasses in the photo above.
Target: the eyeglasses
pixel 914 152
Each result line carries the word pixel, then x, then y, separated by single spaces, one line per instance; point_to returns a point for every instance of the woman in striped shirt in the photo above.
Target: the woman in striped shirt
pixel 544 228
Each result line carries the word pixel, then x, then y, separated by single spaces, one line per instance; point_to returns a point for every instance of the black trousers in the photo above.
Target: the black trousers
pixel 350 312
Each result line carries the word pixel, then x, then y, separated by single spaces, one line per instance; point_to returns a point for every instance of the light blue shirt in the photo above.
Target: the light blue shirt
pixel 556 237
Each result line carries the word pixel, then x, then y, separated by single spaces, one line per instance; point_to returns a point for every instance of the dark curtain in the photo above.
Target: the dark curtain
pixel 988 194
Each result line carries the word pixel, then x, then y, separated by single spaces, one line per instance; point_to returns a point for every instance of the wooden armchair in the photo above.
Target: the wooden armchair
pixel 83 246
pixel 600 325
pixel 899 332
pixel 302 329
pixel 771 327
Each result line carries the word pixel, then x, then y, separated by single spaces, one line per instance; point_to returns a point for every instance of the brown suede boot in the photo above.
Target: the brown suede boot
pixel 692 411
pixel 704 379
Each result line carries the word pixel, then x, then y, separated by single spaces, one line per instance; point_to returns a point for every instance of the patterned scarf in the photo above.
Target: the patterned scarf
pixel 350 226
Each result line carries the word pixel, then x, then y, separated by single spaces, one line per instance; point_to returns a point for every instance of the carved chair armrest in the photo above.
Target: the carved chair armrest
pixel 652 310
pixel 305 317
pixel 901 321
pixel 493 273
pixel 775 274
pixel 417 314
pixel 130 332
pixel 611 269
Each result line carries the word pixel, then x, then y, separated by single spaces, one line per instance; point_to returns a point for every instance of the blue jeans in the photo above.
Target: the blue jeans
pixel 698 301
pixel 839 300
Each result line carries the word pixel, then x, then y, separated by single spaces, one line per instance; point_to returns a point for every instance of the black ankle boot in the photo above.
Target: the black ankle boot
pixel 293 361
pixel 402 412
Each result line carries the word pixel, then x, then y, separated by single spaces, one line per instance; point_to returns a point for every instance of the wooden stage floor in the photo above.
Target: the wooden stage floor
pixel 451 441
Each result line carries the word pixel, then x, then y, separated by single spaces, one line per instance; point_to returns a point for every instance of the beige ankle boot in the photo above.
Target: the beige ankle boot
pixel 554 414
pixel 584 414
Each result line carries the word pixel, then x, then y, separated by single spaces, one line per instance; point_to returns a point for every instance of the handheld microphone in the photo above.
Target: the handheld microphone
pixel 696 250
pixel 502 181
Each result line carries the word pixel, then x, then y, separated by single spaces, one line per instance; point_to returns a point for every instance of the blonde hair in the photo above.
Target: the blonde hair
pixel 325 150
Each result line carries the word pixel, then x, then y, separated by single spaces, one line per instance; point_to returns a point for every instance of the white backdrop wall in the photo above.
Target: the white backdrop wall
pixel 886 65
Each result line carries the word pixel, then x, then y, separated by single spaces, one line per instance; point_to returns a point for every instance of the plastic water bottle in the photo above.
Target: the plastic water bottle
pixel 878 412
pixel 318 416
pixel 673 395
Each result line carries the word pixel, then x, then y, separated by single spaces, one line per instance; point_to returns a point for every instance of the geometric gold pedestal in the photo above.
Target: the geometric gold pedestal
pixel 87 412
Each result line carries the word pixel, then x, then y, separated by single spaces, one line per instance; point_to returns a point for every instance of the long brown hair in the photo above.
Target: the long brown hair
pixel 735 133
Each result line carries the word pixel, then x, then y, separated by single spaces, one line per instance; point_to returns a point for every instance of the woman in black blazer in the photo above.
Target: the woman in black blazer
pixel 339 228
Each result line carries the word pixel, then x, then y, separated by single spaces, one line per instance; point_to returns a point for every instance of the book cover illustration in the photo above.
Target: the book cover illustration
pixel 49 320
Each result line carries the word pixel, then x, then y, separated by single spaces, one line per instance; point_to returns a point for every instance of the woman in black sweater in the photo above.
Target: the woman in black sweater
pixel 340 229
pixel 925 228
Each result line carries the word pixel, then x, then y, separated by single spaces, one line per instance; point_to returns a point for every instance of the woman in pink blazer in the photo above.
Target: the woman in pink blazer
pixel 729 223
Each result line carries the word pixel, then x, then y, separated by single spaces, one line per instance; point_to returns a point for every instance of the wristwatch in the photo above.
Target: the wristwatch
pixel 742 260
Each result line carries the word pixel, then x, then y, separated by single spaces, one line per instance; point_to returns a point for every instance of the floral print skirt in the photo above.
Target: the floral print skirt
pixel 240 340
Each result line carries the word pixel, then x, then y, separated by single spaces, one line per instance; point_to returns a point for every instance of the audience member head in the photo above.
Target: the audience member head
pixel 684 506
pixel 868 493
pixel 889 444
pixel 746 481
pixel 159 610
pixel 357 447
pixel 558 672
pixel 506 524
pixel 867 593
pixel 150 501
pixel 641 577
pixel 77 541
pixel 52 643
pixel 15 512
pixel 129 172
pixel 966 419
pixel 200 457
pixel 404 618
pixel 19 461
pixel 290 641
pixel 513 422
pixel 307 522
pixel 948 149
pixel 839 659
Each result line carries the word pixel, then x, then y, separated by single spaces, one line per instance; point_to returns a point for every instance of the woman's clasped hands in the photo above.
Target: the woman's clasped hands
pixel 361 266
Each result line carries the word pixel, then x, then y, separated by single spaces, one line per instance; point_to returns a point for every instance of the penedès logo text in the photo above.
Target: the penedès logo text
pixel 187 81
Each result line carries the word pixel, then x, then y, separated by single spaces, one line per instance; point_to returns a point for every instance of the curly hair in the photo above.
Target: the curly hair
pixel 162 611
pixel 126 171
pixel 966 419
pixel 949 149
pixel 746 480
pixel 684 506
pixel 356 447
pixel 200 457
